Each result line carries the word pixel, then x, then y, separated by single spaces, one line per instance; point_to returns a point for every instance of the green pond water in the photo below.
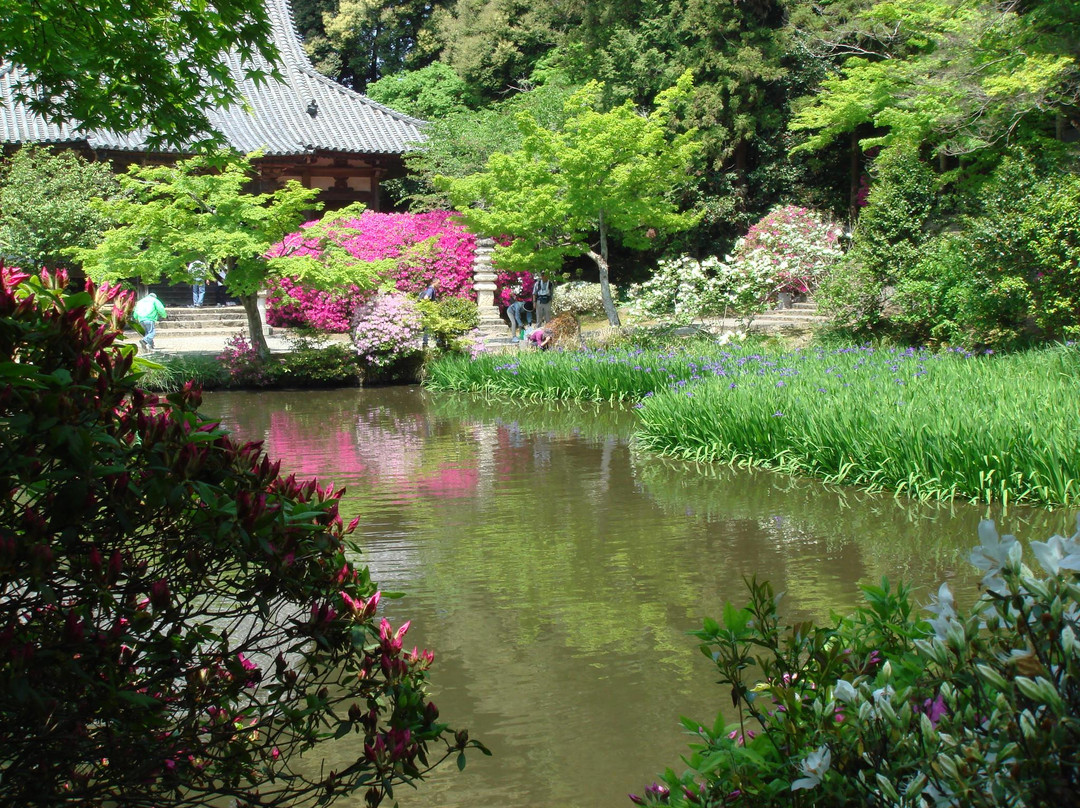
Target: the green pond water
pixel 555 572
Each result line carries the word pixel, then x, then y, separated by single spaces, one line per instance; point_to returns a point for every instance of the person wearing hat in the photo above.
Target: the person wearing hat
pixel 520 315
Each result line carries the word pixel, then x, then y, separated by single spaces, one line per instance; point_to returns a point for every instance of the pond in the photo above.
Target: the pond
pixel 555 572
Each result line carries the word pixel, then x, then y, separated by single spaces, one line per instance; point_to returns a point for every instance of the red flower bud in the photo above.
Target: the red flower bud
pixel 159 594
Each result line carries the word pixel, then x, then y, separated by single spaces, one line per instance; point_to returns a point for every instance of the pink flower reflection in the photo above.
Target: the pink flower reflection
pixel 311 450
pixel 449 482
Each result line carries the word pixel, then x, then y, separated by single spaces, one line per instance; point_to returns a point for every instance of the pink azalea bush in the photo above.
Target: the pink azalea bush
pixel 387 328
pixel 425 246
pixel 509 284
pixel 790 245
pixel 243 364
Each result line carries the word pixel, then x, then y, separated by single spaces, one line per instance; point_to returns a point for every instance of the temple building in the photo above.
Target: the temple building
pixel 308 127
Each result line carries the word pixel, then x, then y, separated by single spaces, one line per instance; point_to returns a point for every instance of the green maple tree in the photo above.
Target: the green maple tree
pixel 566 193
pixel 168 216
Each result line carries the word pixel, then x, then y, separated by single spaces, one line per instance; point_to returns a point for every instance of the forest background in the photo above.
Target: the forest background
pixel 961 114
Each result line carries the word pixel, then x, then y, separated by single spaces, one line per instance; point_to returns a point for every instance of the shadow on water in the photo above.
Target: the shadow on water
pixel 555 571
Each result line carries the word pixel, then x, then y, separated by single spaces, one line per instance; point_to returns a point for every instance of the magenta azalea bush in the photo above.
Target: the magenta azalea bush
pixel 290 304
pixel 508 285
pixel 424 246
pixel 387 327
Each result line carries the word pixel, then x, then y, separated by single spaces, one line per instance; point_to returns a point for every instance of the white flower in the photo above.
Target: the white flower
pixel 993 554
pixel 1059 553
pixel 943 604
pixel 813 767
pixel 845 691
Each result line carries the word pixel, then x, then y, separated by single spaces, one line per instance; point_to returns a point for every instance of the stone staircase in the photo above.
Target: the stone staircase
pixel 207 321
pixel 798 316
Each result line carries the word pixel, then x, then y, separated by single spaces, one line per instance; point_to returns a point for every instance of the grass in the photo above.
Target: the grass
pixel 932 426
pixel 167 374
pixel 597 375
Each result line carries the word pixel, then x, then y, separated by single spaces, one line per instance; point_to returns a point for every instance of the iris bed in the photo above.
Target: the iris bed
pixel 927 424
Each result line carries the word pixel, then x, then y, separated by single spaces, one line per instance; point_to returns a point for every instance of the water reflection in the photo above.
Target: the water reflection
pixel 555 571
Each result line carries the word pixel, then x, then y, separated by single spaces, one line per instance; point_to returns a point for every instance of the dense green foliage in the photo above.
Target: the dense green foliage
pixel 116 65
pixel 198 210
pixel 794 102
pixel 43 208
pixel 950 425
pixel 431 93
pixel 972 707
pixel 1011 275
pixel 890 233
pixel 605 175
pixel 448 320
pixel 180 621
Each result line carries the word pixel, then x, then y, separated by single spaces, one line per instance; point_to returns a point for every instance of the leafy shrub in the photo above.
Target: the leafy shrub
pixel 43 208
pixel 448 320
pixel 945 298
pixel 887 243
pixel 580 298
pixel 959 708
pixel 386 328
pixel 312 363
pixel 179 621
pixel 1012 269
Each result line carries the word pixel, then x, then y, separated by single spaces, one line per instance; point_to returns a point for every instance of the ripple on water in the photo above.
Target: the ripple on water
pixel 555 573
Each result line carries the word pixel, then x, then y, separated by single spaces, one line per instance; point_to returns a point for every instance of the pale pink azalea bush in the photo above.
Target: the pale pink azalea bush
pixel 387 327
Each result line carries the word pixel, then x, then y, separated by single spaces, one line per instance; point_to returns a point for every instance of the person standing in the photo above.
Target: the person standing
pixel 431 292
pixel 198 283
pixel 543 291
pixel 148 311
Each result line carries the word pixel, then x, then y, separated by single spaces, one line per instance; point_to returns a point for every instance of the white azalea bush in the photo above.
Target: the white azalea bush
pixel 681 288
pixel 788 250
pixel 957 708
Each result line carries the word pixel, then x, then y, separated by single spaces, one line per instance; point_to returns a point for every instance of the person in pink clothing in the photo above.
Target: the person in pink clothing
pixel 539 339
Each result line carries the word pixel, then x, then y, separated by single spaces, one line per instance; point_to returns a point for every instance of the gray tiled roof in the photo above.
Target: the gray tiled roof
pixel 277 120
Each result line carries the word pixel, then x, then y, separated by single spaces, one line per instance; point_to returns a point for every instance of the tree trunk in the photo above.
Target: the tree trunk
pixel 250 303
pixel 605 285
pixel 854 177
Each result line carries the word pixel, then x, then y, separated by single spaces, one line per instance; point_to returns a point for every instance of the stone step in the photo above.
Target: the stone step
pixel 206 313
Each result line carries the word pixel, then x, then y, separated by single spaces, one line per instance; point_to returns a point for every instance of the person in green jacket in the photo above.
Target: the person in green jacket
pixel 148 311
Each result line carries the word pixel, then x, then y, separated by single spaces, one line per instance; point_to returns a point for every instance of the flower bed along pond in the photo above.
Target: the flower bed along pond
pixel 945 425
